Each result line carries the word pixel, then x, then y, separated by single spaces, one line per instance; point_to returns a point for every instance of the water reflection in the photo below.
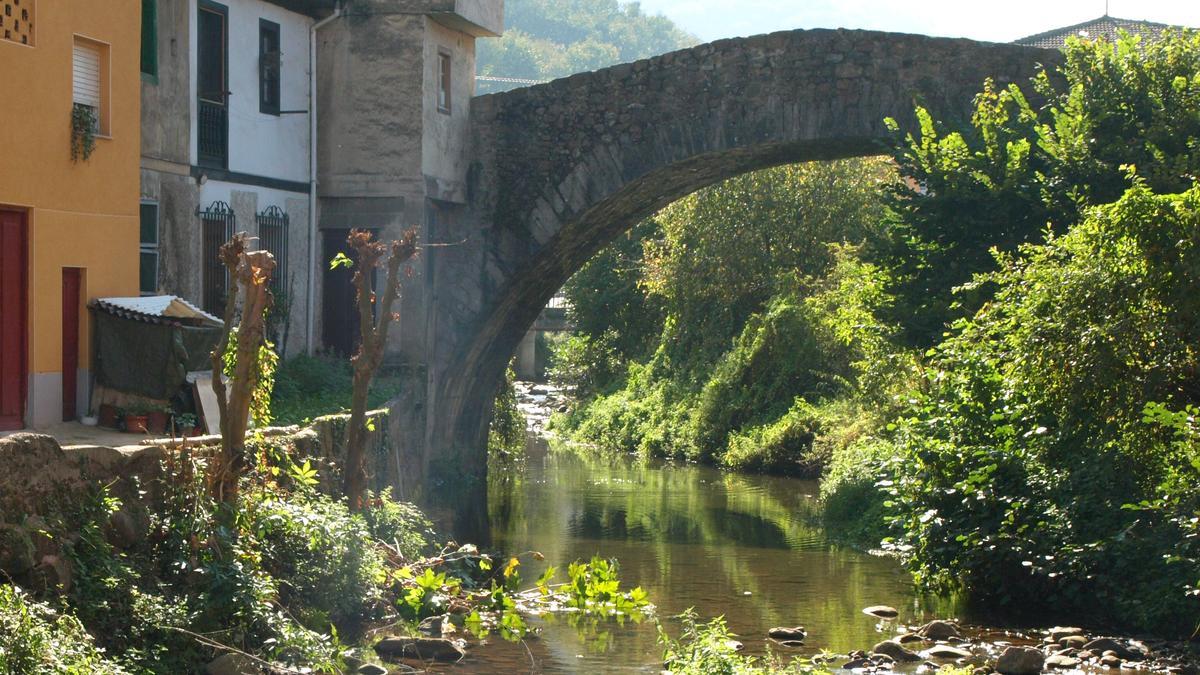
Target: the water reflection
pixel 739 546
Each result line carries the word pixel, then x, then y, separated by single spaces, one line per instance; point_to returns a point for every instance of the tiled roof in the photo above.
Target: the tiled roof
pixel 1105 27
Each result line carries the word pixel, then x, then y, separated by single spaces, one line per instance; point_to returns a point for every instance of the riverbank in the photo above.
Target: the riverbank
pixel 750 547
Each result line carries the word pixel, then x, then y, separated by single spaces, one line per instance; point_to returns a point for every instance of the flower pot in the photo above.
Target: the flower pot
pixel 108 416
pixel 156 422
pixel 135 424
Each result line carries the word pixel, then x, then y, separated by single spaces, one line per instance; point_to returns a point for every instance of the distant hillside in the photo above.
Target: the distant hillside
pixel 548 39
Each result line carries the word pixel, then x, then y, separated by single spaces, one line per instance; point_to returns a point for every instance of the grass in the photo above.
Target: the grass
pixel 308 387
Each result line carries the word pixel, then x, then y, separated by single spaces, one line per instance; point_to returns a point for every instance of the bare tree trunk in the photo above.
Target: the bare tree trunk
pixel 251 272
pixel 374 332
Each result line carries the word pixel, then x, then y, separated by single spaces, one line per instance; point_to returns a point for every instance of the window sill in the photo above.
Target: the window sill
pixel 444 111
pixel 150 79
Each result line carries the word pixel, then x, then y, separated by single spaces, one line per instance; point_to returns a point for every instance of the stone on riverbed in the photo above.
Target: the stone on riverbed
pixel 895 650
pixel 1020 661
pixel 945 652
pixel 426 649
pixel 1062 661
pixel 1101 645
pixel 1059 632
pixel 1073 641
pixel 786 633
pixel 939 630
pixel 882 612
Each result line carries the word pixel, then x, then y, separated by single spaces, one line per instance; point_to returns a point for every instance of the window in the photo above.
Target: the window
pixel 212 79
pixel 150 39
pixel 90 79
pixel 269 67
pixel 148 269
pixel 444 82
pixel 273 236
pixel 16 21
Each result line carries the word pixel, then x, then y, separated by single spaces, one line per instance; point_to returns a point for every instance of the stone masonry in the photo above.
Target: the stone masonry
pixel 558 170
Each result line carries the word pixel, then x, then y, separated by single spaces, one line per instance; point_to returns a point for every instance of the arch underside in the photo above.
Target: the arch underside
pixel 564 168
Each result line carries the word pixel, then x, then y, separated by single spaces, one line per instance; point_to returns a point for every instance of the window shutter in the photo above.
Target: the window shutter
pixel 87 75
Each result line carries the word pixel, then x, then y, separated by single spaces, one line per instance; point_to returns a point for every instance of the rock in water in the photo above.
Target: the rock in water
pixel 1020 661
pixel 895 650
pixel 1101 645
pixel 882 612
pixel 1062 661
pixel 1059 632
pixel 939 630
pixel 1072 642
pixel 784 633
pixel 372 669
pixel 945 652
pixel 426 649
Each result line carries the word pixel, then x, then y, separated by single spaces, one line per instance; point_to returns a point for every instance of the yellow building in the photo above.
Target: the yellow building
pixel 69 228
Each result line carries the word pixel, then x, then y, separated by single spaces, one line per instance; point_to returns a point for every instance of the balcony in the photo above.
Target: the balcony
pixel 213 134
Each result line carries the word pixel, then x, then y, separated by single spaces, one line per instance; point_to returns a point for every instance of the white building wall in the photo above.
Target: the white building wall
pixel 260 144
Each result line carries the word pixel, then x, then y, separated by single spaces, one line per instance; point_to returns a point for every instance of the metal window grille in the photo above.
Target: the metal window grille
pixel 273 237
pixel 214 133
pixel 217 223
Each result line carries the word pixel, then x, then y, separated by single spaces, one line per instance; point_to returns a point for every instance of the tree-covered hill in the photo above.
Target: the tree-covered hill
pixel 548 39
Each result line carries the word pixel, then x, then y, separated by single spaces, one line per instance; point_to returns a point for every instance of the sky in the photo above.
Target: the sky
pixel 1002 21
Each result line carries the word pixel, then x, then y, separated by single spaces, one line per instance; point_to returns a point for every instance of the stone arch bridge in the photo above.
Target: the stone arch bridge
pixel 559 170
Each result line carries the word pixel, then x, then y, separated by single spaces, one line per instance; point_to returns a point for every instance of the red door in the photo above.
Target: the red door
pixel 70 340
pixel 12 319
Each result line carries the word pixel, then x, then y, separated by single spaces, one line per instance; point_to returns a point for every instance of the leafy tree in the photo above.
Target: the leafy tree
pixel 1020 171
pixel 1031 433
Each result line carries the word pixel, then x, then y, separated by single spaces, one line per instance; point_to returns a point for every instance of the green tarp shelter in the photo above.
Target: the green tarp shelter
pixel 147 346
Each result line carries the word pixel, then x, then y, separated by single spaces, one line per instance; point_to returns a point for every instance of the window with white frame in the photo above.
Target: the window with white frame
pixel 89 65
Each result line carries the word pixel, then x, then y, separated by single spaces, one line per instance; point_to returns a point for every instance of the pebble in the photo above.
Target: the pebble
pixel 1061 661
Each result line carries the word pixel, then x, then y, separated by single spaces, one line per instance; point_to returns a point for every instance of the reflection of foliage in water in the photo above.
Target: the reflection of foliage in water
pixel 688 535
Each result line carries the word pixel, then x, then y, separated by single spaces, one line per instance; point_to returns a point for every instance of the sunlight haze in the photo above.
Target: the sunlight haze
pixel 998 22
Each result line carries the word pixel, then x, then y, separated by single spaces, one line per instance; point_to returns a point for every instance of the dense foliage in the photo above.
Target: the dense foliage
pixel 1019 169
pixel 1032 433
pixel 720 336
pixel 548 39
pixel 1003 379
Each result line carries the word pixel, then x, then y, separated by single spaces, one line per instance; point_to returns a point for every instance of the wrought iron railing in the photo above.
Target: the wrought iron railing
pixel 273 237
pixel 217 224
pixel 213 133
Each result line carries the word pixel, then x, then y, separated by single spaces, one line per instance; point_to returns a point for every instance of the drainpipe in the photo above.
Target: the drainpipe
pixel 313 267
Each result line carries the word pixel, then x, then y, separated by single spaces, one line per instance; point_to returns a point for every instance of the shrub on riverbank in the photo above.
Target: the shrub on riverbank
pixel 1035 465
pixel 36 638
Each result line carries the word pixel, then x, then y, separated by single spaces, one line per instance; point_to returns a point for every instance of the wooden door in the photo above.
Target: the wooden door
pixel 13 293
pixel 71 279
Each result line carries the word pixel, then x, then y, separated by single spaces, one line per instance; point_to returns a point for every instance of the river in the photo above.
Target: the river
pixel 740 546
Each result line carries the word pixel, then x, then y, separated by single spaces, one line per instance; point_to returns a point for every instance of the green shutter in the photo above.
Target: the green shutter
pixel 150 37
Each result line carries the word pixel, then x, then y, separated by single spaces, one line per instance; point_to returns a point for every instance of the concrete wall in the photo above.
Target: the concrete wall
pixel 246 202
pixel 274 146
pixel 79 214
pixel 446 136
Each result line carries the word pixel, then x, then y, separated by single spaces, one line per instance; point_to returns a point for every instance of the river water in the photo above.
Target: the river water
pixel 740 546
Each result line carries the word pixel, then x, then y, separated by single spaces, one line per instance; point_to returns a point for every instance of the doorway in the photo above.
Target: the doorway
pixel 72 285
pixel 13 318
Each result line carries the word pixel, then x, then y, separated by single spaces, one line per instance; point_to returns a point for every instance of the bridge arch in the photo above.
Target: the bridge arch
pixel 561 169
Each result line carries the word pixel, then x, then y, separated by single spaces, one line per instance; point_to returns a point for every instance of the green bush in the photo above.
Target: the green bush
pixel 399 524
pixel 322 557
pixel 506 433
pixel 35 638
pixel 1030 437
pixel 308 387
pixel 852 497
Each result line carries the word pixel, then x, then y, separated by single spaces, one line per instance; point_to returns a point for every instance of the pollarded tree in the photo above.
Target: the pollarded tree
pixel 375 316
pixel 240 355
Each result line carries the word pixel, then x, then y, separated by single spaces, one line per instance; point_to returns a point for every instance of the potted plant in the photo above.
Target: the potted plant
pixel 157 419
pixel 135 420
pixel 185 424
pixel 110 416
